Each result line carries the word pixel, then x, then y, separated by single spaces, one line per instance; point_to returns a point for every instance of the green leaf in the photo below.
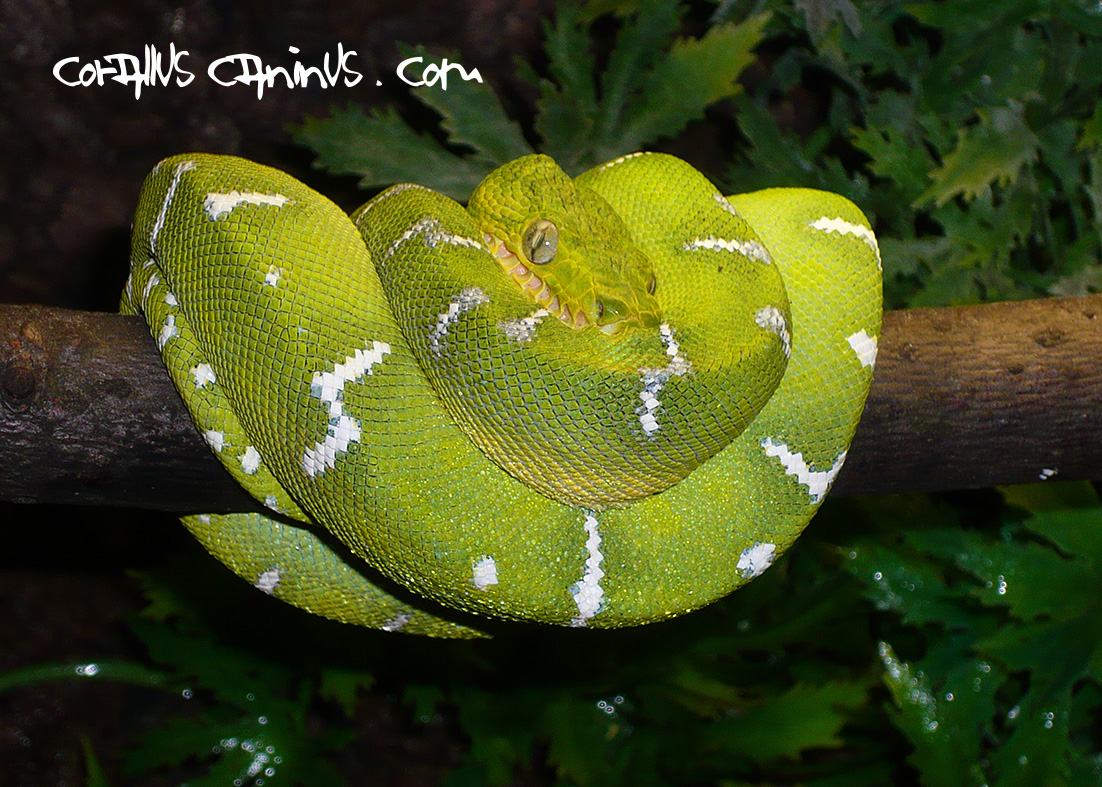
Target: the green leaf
pixel 163 600
pixel 994 151
pixel 93 771
pixel 806 717
pixel 472 116
pixel 382 149
pixel 110 670
pixel 695 74
pixel 1075 531
pixel 1037 752
pixel 908 584
pixel 640 46
pixel 567 110
pixel 896 156
pixel 946 725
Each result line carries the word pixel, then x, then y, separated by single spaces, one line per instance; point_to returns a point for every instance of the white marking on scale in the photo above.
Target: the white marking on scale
pixel 865 347
pixel 271 278
pixel 470 298
pixel 343 430
pixel 654 380
pixel 747 248
pixel 1047 473
pixel 843 227
pixel 268 581
pixel 398 622
pixel 434 235
pixel 485 573
pixel 250 460
pixel 772 319
pixel 726 205
pixel 621 160
pixel 523 328
pixel 170 300
pixel 587 592
pixel 272 503
pixel 159 223
pixel 756 558
pixel 168 331
pixel 203 374
pixel 817 481
pixel 218 206
pixel 215 439
pixel 150 283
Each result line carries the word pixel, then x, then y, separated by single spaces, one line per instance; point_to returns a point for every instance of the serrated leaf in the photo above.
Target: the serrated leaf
pixel 163 600
pixel 946 724
pixel 567 110
pixel 695 74
pixel 806 717
pixel 236 677
pixel 894 156
pixel 176 740
pixel 913 257
pixel 1076 531
pixel 994 151
pixel 640 46
pixel 1030 580
pixel 908 585
pixel 701 693
pixel 472 115
pixel 1037 752
pixel 382 149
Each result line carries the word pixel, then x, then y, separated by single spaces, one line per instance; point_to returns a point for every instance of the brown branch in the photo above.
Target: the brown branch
pixel 962 398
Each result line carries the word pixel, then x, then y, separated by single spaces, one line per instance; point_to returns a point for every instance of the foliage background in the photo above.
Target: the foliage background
pixel 938 640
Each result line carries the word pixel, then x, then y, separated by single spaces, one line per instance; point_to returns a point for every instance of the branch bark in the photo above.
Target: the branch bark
pixel 962 398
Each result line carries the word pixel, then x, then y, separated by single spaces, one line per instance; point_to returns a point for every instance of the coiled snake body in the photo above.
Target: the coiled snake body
pixel 592 402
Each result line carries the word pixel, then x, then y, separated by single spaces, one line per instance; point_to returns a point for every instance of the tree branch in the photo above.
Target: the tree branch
pixel 962 398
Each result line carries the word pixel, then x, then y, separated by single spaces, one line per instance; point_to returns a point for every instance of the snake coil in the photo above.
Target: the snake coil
pixel 598 401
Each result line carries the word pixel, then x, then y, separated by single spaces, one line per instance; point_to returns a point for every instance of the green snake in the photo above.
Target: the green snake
pixel 600 401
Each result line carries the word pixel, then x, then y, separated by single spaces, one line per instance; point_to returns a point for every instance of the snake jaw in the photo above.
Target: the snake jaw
pixel 536 288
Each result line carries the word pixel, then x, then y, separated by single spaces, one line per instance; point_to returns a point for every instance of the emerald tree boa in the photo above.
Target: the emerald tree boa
pixel 599 401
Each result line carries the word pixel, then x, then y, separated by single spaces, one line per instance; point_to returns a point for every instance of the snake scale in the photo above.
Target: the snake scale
pixel 598 401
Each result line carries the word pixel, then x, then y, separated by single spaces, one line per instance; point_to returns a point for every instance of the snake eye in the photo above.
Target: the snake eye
pixel 600 309
pixel 541 241
pixel 651 285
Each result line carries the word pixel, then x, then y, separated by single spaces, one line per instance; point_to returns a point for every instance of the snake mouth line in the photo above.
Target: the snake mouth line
pixel 536 288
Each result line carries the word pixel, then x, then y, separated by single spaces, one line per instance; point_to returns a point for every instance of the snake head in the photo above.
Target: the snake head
pixel 565 247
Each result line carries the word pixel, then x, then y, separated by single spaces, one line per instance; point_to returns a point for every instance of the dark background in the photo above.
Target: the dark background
pixel 72 161
pixel 73 158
